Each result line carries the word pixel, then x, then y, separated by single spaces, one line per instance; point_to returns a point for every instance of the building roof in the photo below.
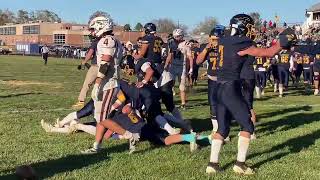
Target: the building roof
pixel 314 8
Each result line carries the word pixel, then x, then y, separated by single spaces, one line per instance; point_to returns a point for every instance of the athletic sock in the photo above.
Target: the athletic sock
pixel 96 145
pixel 215 150
pixel 163 123
pixel 68 119
pixel 214 125
pixel 188 138
pixel 127 135
pixel 180 122
pixel 243 146
pixel 86 128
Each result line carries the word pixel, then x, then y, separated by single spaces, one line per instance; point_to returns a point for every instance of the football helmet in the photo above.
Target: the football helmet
pixel 178 32
pixel 101 25
pixel 217 31
pixel 150 28
pixel 242 25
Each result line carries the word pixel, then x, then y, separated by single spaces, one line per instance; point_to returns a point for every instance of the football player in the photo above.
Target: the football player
pixel 307 62
pixel 233 52
pixel 285 66
pixel 92 71
pixel 312 50
pixel 179 57
pixel 210 53
pixel 261 65
pixel 150 70
pixel 109 53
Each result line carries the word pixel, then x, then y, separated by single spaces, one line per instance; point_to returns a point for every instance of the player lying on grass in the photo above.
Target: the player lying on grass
pixel 129 122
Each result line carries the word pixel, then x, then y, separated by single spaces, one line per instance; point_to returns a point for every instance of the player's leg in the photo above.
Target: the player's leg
pixel 258 84
pixel 237 107
pixel 263 82
pixel 182 88
pixel 316 82
pixel 89 79
pixel 212 98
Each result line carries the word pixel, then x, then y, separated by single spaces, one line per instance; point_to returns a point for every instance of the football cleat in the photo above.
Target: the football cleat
pixel 78 105
pixel 213 168
pixel 91 150
pixel 280 95
pixel 316 92
pixel 133 142
pixel 227 140
pixel 253 136
pixel 183 107
pixel 242 168
pixel 262 92
pixel 47 127
pixel 73 127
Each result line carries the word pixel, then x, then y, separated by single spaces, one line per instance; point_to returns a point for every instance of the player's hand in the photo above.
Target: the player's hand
pixel 80 67
pixel 139 84
pixel 95 92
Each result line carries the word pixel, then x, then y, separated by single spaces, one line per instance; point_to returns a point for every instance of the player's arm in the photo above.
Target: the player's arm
pixel 190 59
pixel 202 56
pixel 168 60
pixel 146 68
pixel 121 99
pixel 143 50
pixel 261 52
pixel 88 56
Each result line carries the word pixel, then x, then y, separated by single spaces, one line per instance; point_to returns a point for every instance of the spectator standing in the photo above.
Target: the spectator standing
pixel 45 54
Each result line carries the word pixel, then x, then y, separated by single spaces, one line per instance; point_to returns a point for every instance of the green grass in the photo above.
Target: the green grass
pixel 288 145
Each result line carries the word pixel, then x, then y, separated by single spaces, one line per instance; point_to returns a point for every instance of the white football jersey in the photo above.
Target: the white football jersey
pixel 109 45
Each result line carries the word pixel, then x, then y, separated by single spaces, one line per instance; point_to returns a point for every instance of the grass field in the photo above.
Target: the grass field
pixel 288 145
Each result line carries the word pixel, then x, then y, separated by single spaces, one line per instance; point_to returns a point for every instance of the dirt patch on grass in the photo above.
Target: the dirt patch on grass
pixel 29 83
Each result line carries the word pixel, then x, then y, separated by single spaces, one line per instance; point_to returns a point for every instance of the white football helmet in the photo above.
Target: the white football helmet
pixel 177 33
pixel 101 25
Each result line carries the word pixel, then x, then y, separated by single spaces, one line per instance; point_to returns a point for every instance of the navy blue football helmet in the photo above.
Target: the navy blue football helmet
pixel 242 25
pixel 150 28
pixel 218 31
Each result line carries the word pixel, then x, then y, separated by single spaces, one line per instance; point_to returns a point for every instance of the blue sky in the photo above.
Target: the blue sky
pixel 188 12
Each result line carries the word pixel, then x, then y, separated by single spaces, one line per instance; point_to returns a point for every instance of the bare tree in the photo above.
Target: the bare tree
pixel 22 16
pixel 166 25
pixel 99 13
pixel 7 16
pixel 205 26
pixel 257 19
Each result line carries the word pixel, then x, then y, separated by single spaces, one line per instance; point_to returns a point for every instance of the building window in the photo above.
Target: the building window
pixel 59 38
pixel 34 29
pixel 86 39
pixel 8 31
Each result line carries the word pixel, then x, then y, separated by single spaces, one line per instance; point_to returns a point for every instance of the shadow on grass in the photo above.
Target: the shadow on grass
pixel 20 94
pixel 285 111
pixel 288 122
pixel 46 169
pixel 295 145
